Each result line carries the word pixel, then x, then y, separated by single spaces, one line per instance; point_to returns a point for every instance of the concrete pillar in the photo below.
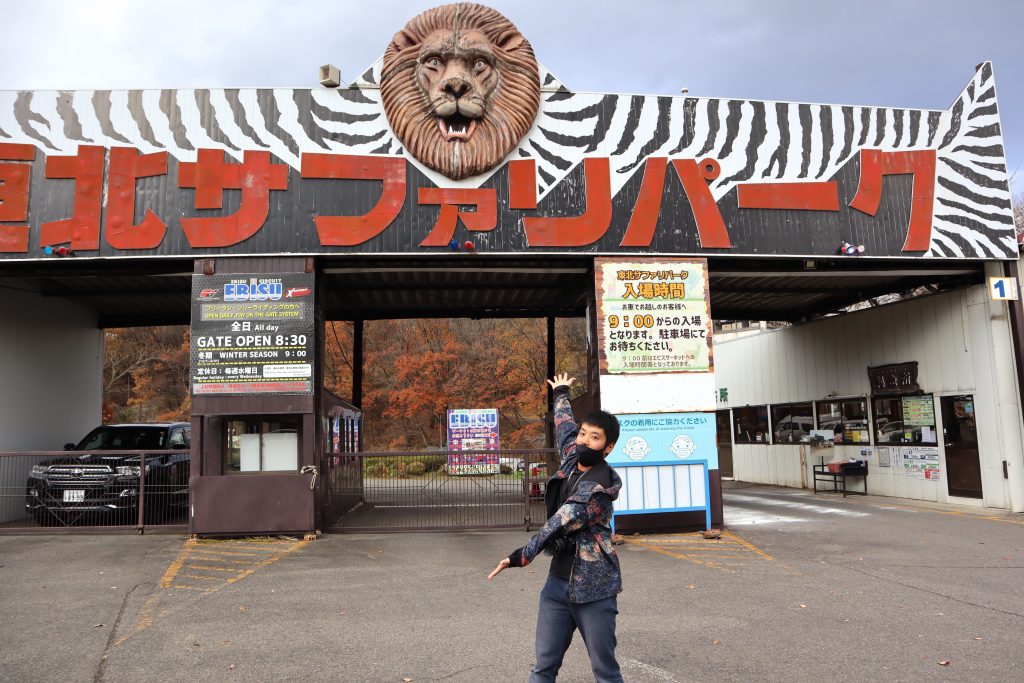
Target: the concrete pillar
pixel 995 365
pixel 51 371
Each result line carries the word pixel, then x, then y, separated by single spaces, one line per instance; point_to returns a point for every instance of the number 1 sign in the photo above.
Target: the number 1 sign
pixel 1002 288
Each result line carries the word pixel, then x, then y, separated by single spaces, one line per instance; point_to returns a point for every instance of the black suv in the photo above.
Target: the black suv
pixel 92 483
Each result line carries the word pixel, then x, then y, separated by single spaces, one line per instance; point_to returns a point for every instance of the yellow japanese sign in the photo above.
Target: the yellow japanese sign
pixel 653 316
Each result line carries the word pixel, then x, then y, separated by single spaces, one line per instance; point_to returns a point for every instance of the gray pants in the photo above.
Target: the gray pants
pixel 558 618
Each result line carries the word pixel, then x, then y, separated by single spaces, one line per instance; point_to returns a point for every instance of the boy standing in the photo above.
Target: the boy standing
pixel 584 579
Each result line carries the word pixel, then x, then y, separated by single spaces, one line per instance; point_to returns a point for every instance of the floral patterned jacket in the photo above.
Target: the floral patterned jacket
pixel 585 518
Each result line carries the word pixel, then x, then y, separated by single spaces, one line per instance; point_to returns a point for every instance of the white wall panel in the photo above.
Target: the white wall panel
pixel 667 487
pixel 51 379
pixel 51 372
pixel 664 393
pixel 965 369
pixel 931 361
pixel 775 385
pixel 634 480
pixel 960 341
pixel 698 496
pixel 682 483
pixel 661 487
pixel 985 399
pixel 652 497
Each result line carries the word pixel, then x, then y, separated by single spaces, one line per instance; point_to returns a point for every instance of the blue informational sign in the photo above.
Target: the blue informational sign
pixel 663 460
pixel 666 437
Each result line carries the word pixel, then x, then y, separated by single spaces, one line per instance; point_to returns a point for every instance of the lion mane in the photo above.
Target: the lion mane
pixel 509 108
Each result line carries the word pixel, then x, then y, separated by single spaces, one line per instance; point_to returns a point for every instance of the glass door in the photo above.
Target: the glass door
pixel 960 436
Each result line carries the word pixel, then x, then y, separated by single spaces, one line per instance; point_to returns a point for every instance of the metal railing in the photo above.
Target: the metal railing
pixel 93 491
pixel 409 491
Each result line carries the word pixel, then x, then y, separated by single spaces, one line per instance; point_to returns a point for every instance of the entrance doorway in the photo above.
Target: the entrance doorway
pixel 960 437
pixel 723 427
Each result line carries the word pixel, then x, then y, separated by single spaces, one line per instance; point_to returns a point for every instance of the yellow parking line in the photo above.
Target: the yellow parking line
pixel 678 556
pixel 175 578
pixel 223 560
pixel 710 551
pixel 698 544
pixel 227 553
pixel 270 560
pixel 269 546
pixel 210 569
pixel 746 544
pixel 720 549
pixel 175 567
pixel 204 578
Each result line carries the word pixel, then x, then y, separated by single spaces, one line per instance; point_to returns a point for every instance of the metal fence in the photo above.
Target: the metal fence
pixel 405 491
pixel 95 490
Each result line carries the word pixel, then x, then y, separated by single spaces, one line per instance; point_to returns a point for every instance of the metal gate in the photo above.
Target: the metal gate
pixel 443 490
pixel 92 491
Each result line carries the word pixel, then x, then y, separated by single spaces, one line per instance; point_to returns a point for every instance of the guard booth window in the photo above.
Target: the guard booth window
pixel 905 419
pixel 847 418
pixel 750 424
pixel 261 444
pixel 792 423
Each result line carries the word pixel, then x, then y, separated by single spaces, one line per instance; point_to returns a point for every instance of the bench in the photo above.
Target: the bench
pixel 838 475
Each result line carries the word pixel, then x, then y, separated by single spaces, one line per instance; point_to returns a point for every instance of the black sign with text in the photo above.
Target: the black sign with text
pixel 895 379
pixel 252 334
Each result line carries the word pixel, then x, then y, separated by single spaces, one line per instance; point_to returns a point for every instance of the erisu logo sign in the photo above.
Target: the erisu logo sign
pixel 253 290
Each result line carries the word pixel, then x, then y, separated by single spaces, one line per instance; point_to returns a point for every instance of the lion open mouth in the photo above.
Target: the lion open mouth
pixel 456 127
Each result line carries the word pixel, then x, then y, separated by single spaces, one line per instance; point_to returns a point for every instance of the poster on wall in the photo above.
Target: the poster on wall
pixel 822 438
pixel 918 411
pixel 252 334
pixel 666 437
pixel 474 429
pixel 921 463
pixel 884 457
pixel 653 316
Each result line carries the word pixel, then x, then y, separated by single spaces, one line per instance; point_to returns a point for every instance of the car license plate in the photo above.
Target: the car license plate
pixel 74 495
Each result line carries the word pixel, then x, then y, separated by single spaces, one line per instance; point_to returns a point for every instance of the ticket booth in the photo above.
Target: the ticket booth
pixel 258 433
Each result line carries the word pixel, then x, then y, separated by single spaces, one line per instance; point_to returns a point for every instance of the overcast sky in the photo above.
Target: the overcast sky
pixel 901 53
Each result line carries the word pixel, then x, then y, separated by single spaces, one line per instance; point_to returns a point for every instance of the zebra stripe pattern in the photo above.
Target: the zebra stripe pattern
pixel 752 140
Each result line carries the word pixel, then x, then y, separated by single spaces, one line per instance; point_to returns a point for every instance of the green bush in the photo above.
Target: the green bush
pixel 415 468
pixel 381 468
pixel 433 463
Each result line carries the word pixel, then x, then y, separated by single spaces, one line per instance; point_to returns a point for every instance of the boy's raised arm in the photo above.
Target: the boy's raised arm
pixel 565 423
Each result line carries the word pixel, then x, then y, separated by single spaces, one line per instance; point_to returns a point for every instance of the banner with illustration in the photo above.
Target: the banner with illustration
pixel 666 437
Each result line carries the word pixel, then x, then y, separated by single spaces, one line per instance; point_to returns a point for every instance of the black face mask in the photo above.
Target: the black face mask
pixel 588 457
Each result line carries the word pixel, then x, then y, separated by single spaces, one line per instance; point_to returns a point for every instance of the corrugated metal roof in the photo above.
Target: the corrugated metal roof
pixel 157 292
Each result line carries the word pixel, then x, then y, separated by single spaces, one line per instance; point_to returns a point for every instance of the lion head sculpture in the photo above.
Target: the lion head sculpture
pixel 460 87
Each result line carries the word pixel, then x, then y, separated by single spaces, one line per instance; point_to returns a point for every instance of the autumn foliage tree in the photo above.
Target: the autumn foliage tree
pixel 414 372
pixel 145 374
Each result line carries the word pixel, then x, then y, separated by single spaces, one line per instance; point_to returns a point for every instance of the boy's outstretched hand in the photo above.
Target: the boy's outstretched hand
pixel 562 380
pixel 504 564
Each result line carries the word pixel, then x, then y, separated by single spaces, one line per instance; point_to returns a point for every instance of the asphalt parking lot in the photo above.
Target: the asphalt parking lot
pixel 799 588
